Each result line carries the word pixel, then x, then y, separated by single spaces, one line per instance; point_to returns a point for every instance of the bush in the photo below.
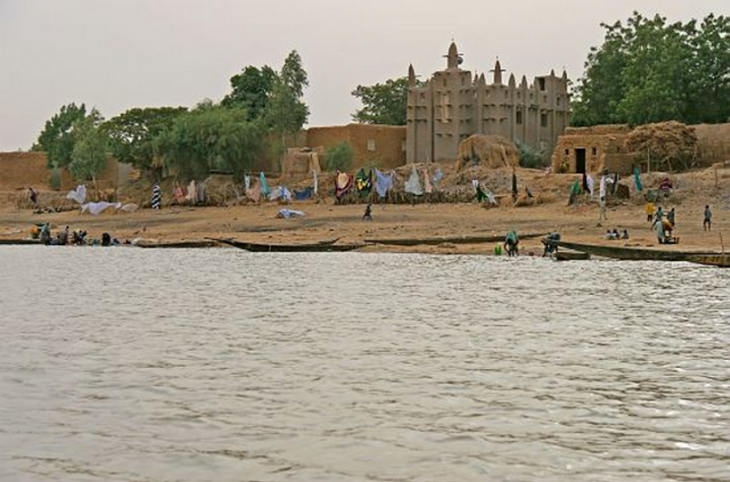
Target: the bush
pixel 339 156
pixel 55 180
pixel 532 158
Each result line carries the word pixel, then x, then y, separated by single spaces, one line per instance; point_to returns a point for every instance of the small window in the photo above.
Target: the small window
pixel 444 81
pixel 544 120
pixel 542 83
pixel 371 144
pixel 594 151
pixel 557 101
pixel 567 152
pixel 519 117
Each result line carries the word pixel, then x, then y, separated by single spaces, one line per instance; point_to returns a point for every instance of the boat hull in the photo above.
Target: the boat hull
pixel 571 256
pixel 322 247
pixel 446 239
pixel 632 254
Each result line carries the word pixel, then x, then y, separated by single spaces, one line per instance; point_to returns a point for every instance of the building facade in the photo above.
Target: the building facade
pixel 454 105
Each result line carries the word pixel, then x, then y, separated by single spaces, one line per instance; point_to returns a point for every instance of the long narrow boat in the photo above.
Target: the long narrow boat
pixel 326 246
pixel 634 254
pixel 18 242
pixel 571 256
pixel 177 244
pixel 447 239
pixel 719 260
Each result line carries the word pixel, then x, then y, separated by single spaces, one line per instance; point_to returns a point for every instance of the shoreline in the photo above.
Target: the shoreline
pixel 257 224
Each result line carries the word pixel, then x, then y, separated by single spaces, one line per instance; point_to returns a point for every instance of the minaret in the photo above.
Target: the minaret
pixel 411 76
pixel 497 73
pixel 453 57
pixel 512 83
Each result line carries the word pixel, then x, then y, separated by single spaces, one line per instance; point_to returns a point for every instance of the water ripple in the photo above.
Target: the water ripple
pixel 198 365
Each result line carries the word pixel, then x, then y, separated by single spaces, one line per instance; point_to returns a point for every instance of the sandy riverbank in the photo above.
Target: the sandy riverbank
pixel 257 223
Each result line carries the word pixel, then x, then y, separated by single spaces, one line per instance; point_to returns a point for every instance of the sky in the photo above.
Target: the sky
pixel 119 54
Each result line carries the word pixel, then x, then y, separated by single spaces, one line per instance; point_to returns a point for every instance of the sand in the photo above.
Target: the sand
pixel 324 220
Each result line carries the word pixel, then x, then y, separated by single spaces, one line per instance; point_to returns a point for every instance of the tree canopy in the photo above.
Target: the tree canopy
pixel 88 158
pixel 208 138
pixel 648 70
pixel 56 138
pixel 263 106
pixel 384 103
pixel 132 133
pixel 287 113
pixel 251 90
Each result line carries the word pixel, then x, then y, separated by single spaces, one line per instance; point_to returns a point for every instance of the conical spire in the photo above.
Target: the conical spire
pixel 523 82
pixel 497 73
pixel 453 57
pixel 565 75
pixel 411 76
pixel 512 82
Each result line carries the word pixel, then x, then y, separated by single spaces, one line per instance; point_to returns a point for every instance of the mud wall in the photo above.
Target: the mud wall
pixel 373 145
pixel 21 170
pixel 713 143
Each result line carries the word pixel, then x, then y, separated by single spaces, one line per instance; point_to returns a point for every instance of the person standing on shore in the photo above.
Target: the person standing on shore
pixel 659 217
pixel 649 209
pixel 707 224
pixel 156 196
pixel 602 197
pixel 672 218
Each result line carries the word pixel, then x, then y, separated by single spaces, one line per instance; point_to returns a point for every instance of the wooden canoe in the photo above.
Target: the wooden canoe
pixel 447 239
pixel 325 246
pixel 571 256
pixel 719 260
pixel 632 254
pixel 177 244
pixel 18 242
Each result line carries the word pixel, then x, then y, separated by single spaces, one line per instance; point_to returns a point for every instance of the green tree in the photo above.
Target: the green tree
pixel 711 68
pixel 338 157
pixel 251 89
pixel 210 138
pixel 648 70
pixel 132 134
pixel 57 138
pixel 88 158
pixel 383 103
pixel 286 112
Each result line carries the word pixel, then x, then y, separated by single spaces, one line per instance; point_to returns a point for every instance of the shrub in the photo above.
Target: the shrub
pixel 339 156
pixel 55 180
pixel 532 158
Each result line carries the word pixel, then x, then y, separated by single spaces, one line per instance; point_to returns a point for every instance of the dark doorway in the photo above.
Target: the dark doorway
pixel 580 161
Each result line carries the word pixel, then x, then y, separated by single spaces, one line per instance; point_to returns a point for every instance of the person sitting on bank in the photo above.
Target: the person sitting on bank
pixel 625 235
pixel 511 243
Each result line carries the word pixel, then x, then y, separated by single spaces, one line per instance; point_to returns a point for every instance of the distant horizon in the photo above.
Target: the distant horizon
pixel 132 53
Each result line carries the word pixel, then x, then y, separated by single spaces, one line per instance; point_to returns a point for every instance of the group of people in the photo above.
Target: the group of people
pixel 662 223
pixel 66 237
pixel 615 235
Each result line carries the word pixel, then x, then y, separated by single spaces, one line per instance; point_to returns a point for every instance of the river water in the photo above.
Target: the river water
pixel 199 365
